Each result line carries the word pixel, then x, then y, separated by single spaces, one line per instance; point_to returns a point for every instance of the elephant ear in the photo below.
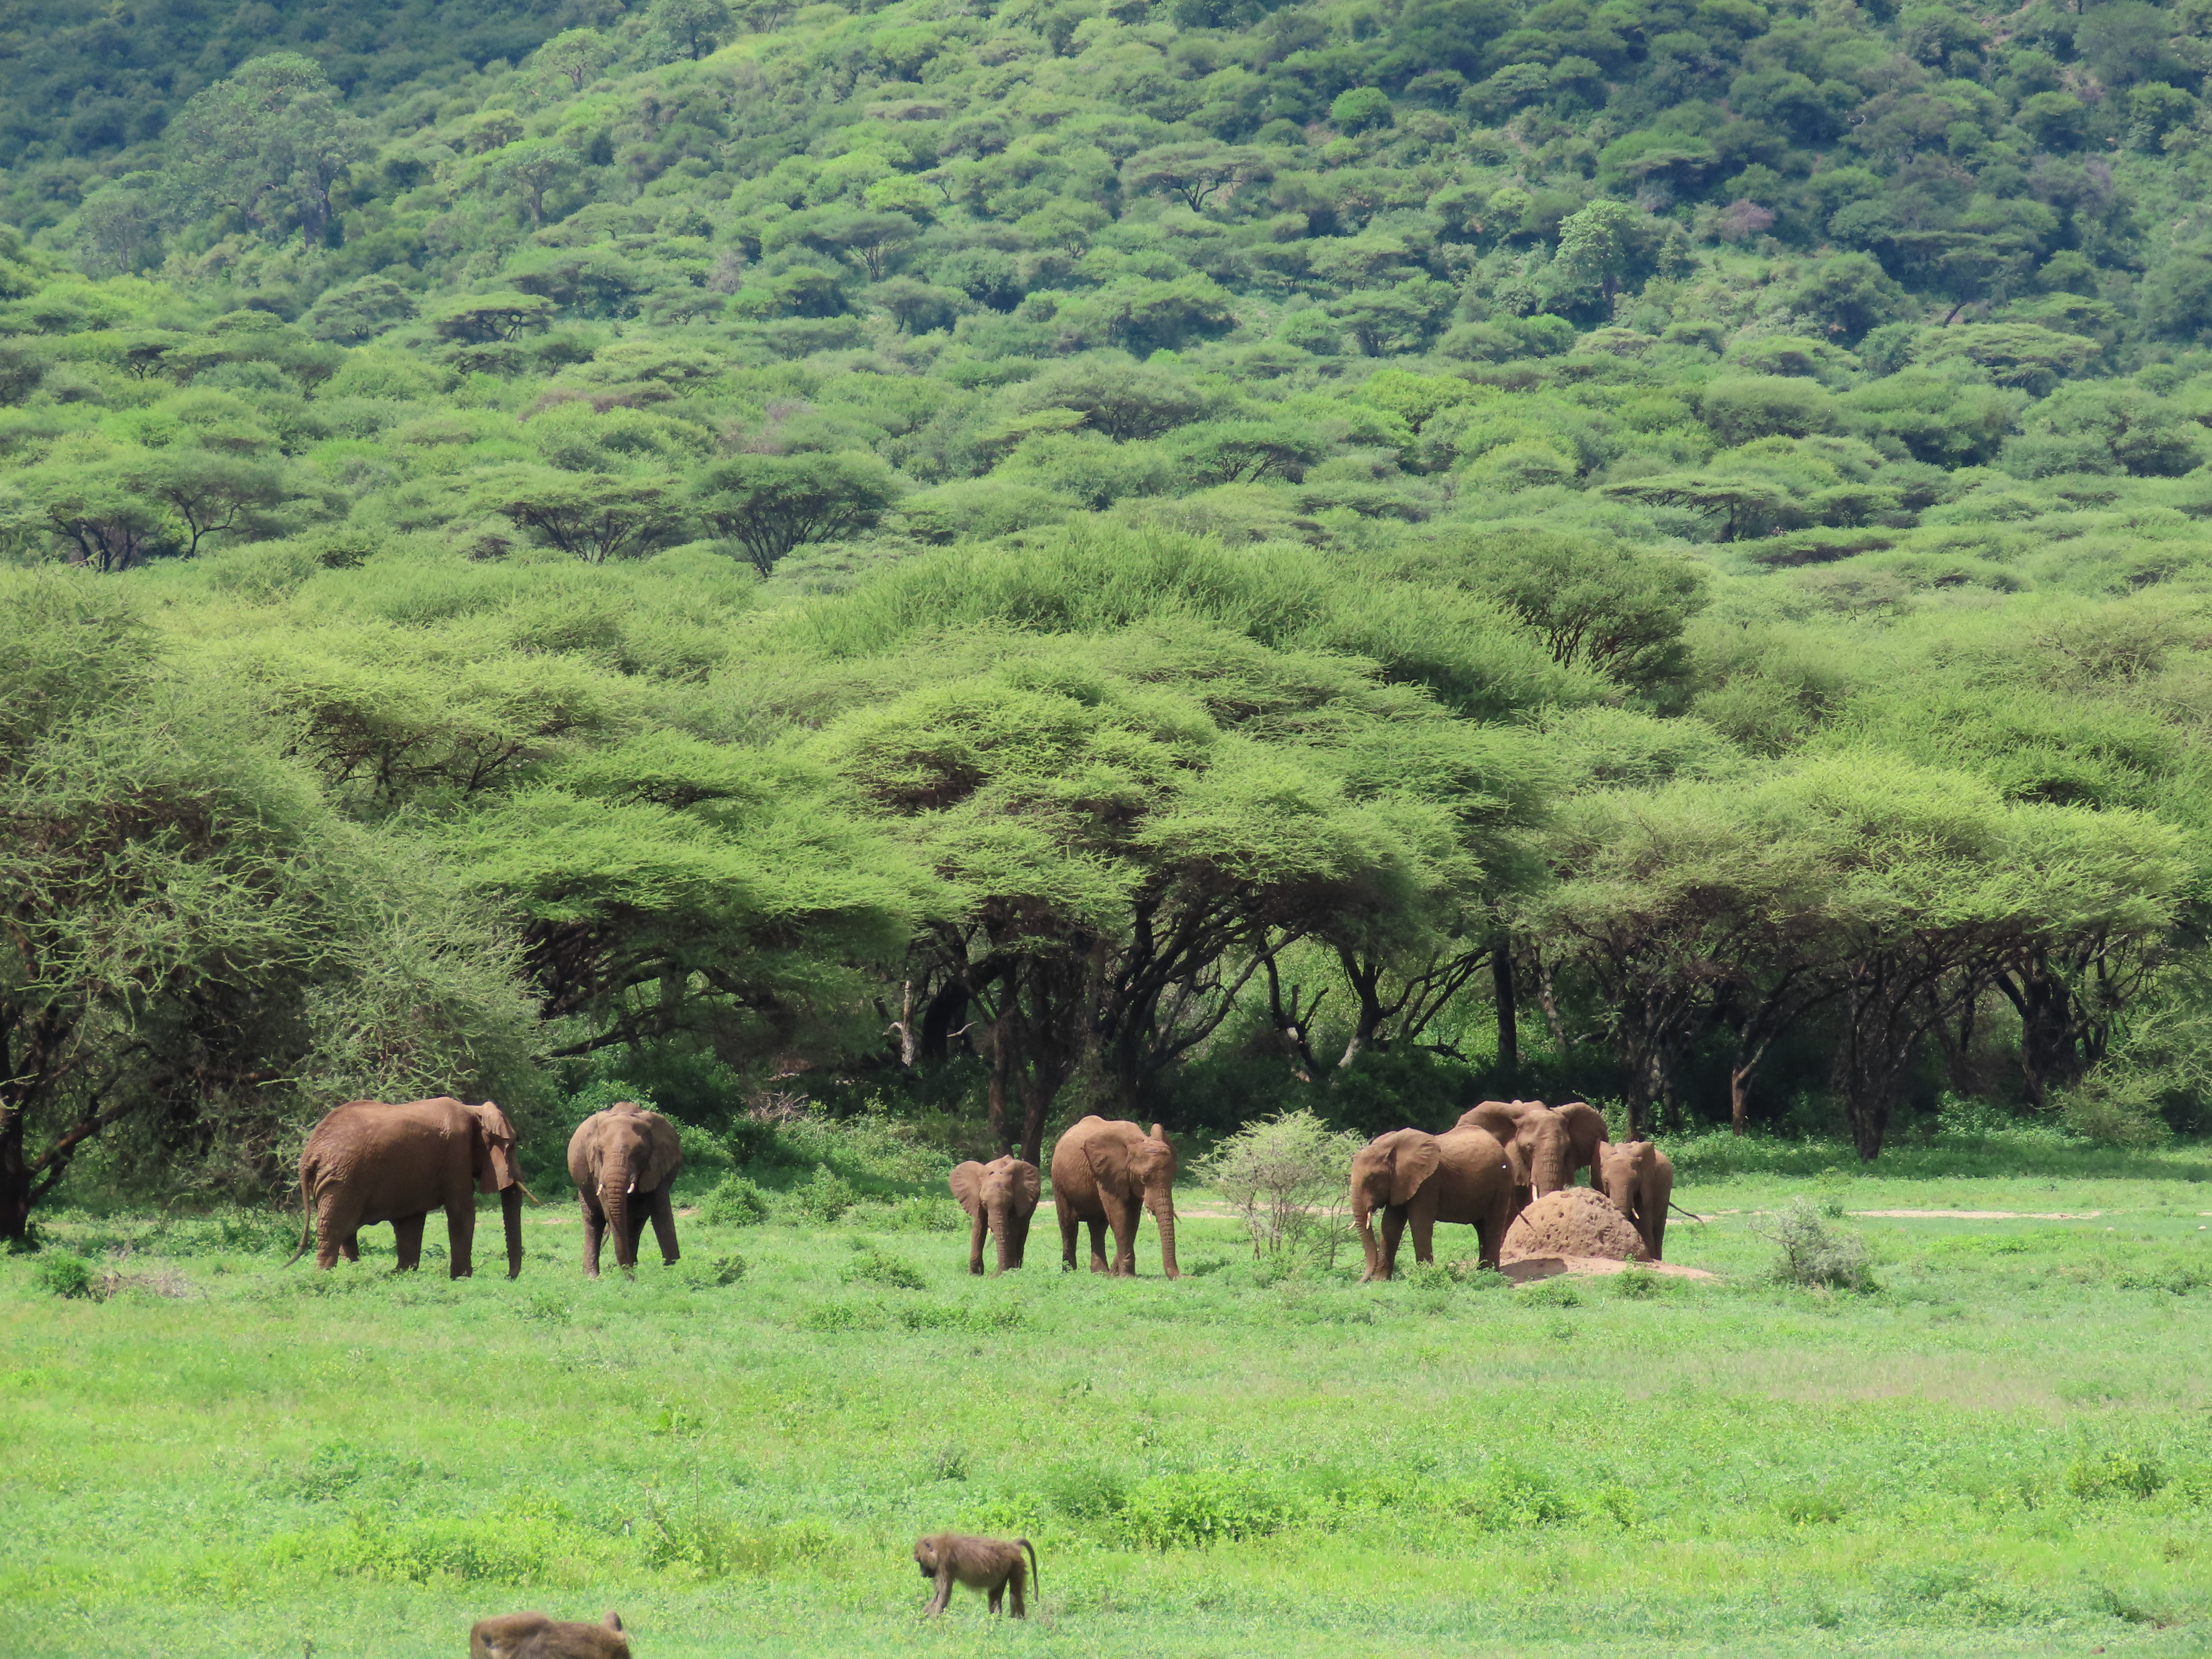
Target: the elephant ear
pixel 500 1168
pixel 1412 1161
pixel 1587 1125
pixel 967 1184
pixel 1028 1183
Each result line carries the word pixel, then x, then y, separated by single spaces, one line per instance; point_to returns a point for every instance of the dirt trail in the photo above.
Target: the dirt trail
pixel 1987 1215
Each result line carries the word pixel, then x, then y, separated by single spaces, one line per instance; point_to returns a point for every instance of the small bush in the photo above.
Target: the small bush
pixel 1082 1493
pixel 1559 1292
pixel 825 1197
pixel 722 1270
pixel 842 1316
pixel 1201 1507
pixel 1637 1284
pixel 872 1266
pixel 2115 1475
pixel 1507 1496
pixel 61 1273
pixel 919 1215
pixel 1807 1252
pixel 734 1202
pixel 977 1318
pixel 1287 1176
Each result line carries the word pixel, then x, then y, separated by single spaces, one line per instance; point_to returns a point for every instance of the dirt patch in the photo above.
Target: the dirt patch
pixel 1984 1215
pixel 1551 1266
pixel 1573 1221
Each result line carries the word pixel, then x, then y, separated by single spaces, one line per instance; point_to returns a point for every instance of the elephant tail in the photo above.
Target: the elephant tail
pixel 1037 1583
pixel 307 1220
pixel 1679 1210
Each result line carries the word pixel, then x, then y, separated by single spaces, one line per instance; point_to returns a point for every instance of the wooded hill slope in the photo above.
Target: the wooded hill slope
pixel 1652 550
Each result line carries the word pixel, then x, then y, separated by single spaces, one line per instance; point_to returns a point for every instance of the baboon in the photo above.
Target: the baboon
pixel 983 1564
pixel 533 1635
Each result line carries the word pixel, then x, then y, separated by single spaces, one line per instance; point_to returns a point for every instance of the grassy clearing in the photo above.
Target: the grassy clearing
pixel 2005 1448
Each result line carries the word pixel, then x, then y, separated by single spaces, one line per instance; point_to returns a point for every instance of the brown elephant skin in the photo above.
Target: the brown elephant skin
pixel 1545 1145
pixel 1000 1197
pixel 533 1635
pixel 1107 1173
pixel 623 1161
pixel 371 1161
pixel 1639 1179
pixel 1412 1177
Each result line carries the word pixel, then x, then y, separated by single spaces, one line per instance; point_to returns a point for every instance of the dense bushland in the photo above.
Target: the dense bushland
pixel 1195 561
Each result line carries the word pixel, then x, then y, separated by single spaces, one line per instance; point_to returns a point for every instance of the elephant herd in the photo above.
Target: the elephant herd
pixel 1483 1171
pixel 369 1162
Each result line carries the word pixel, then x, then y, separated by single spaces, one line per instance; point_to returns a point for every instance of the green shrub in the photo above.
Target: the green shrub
pixel 721 1270
pixel 872 1266
pixel 734 1201
pixel 2115 1474
pixel 824 1196
pixel 1199 1507
pixel 920 1215
pixel 60 1272
pixel 978 1317
pixel 1557 1291
pixel 1508 1497
pixel 1807 1252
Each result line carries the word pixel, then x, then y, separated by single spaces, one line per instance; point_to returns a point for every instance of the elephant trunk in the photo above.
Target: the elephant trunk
pixel 1163 1213
pixel 614 1198
pixel 510 1208
pixel 1002 1225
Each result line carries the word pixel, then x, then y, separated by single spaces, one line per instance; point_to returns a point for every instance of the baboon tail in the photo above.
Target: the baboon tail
pixel 1037 1583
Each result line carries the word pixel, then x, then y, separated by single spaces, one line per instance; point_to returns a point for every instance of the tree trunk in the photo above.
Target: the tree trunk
pixel 14 1176
pixel 1509 1023
pixel 1002 1052
pixel 510 1206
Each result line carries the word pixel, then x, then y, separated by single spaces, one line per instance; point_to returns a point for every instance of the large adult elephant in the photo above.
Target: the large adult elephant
pixel 1411 1176
pixel 1000 1197
pixel 1107 1173
pixel 1639 1179
pixel 1545 1145
pixel 371 1161
pixel 623 1161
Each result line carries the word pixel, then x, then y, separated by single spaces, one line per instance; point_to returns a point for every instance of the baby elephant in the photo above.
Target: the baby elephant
pixel 533 1635
pixel 989 1565
pixel 624 1161
pixel 1000 1197
pixel 1639 1179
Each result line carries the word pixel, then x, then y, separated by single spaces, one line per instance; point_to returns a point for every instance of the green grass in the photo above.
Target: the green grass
pixel 2005 1448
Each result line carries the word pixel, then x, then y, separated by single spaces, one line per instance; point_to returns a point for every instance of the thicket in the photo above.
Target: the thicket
pixel 1198 560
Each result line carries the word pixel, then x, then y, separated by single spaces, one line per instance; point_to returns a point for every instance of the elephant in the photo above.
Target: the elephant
pixel 1000 1197
pixel 1639 1179
pixel 1545 1145
pixel 621 1154
pixel 370 1161
pixel 1108 1173
pixel 1461 1176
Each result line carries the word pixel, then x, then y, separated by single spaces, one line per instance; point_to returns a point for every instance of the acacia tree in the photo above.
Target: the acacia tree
pixel 1126 824
pixel 770 504
pixel 271 142
pixel 192 941
pixel 595 516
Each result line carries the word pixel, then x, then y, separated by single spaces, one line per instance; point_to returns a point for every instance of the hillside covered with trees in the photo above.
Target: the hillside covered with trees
pixel 1190 558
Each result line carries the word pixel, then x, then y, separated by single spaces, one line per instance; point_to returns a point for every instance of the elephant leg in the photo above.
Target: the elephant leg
pixel 1097 1226
pixel 1067 1228
pixel 461 1233
pixel 1424 1220
pixel 595 1228
pixel 349 1245
pixel 330 1234
pixel 407 1242
pixel 977 1229
pixel 1394 1229
pixel 664 1225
